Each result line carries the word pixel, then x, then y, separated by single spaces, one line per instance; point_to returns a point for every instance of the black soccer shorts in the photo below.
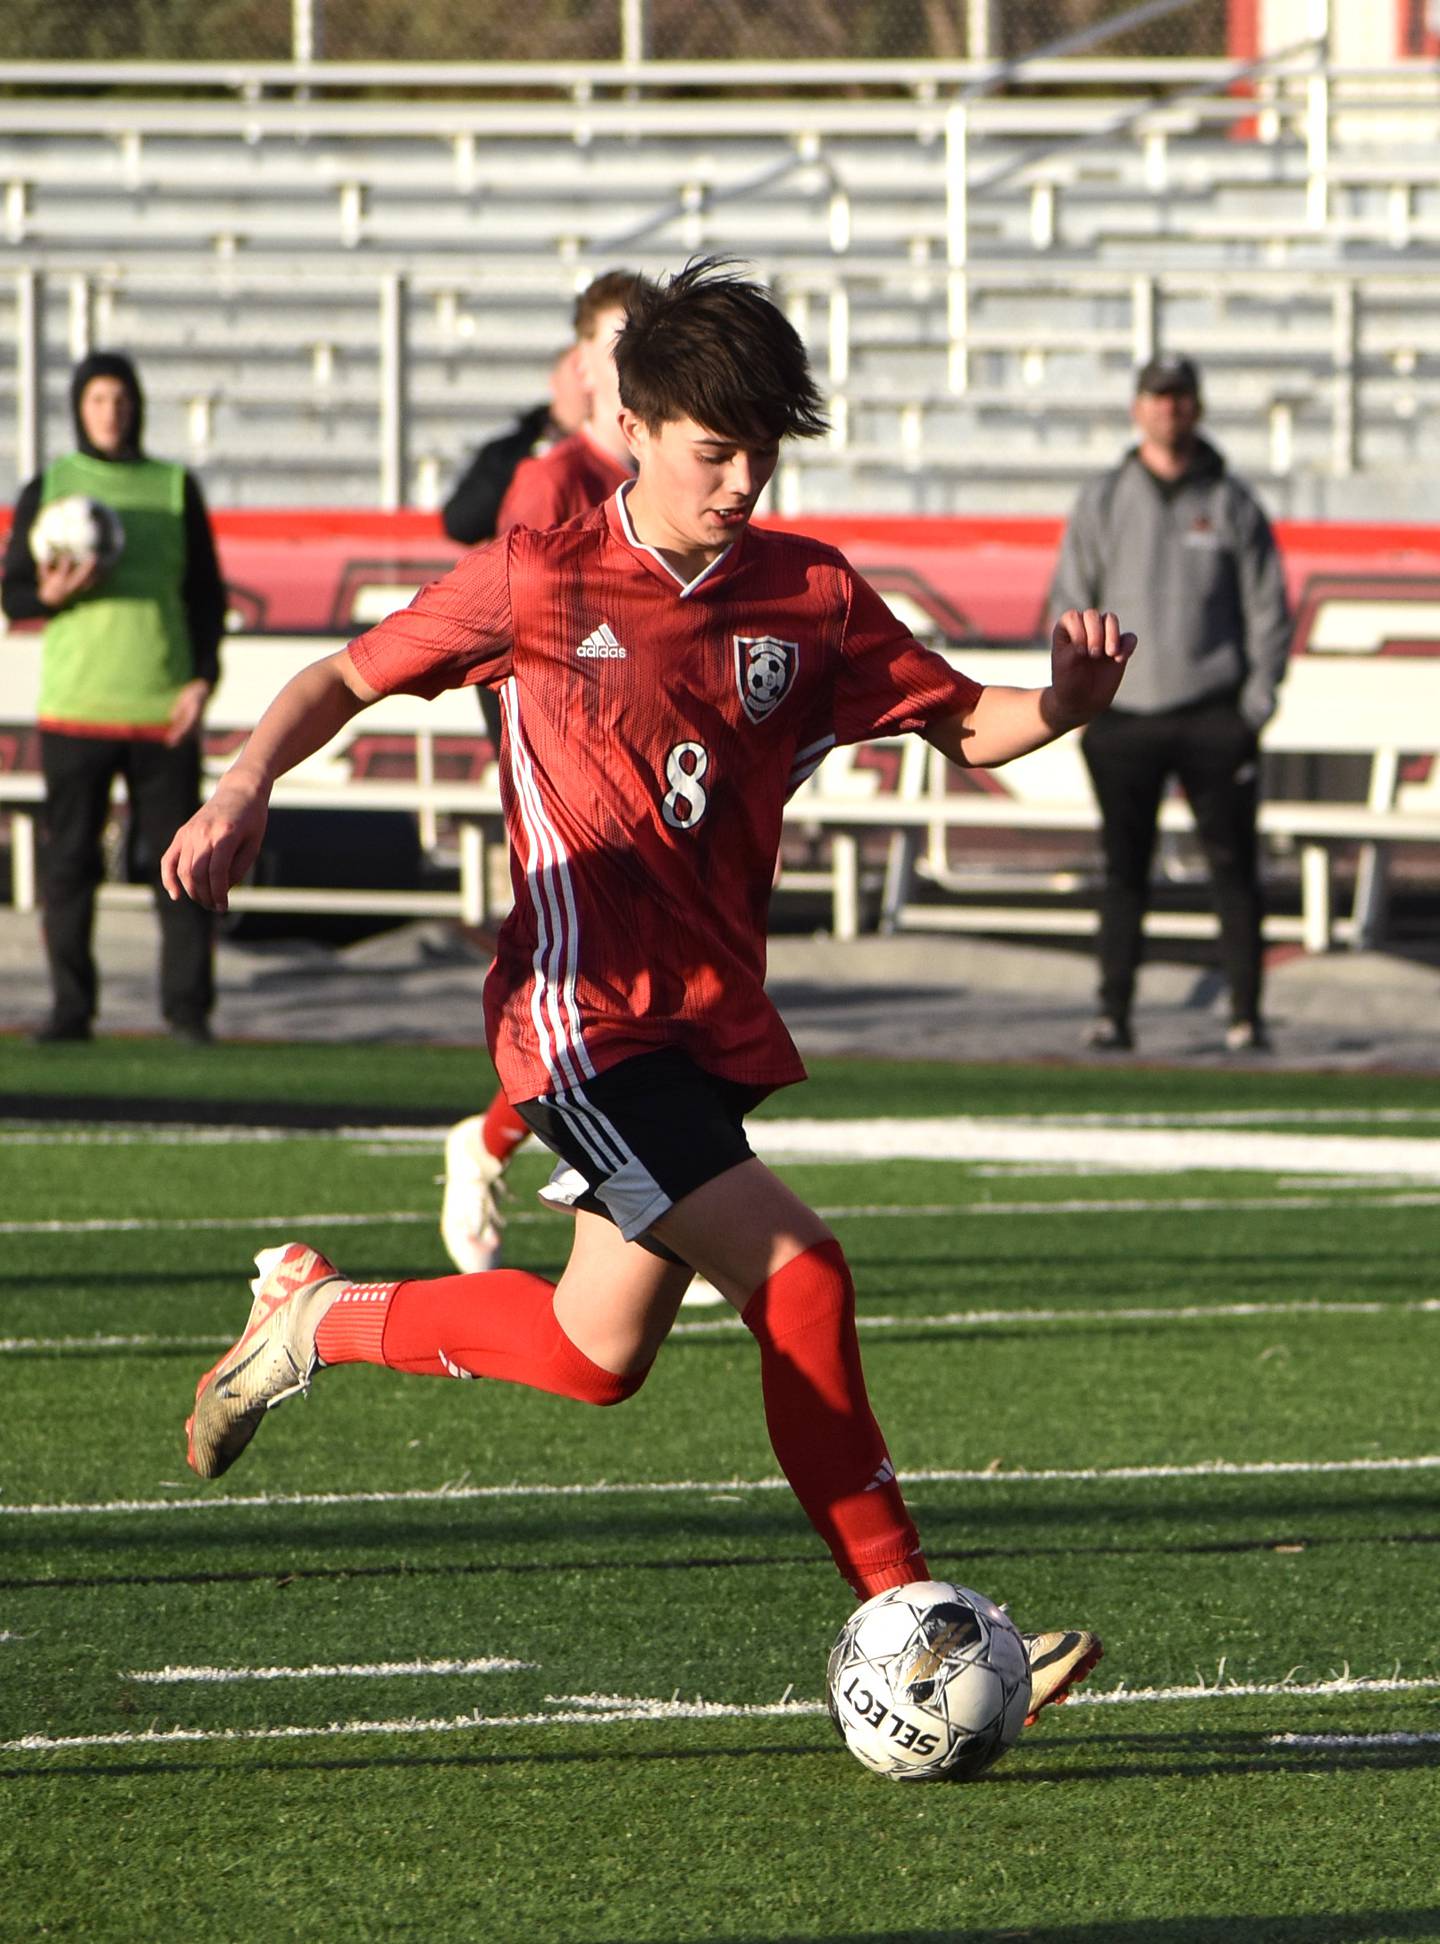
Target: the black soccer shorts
pixel 640 1137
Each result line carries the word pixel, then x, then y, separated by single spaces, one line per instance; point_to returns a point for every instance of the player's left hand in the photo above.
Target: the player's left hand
pixel 1088 654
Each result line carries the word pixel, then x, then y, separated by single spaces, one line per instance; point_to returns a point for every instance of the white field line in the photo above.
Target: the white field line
pixel 601 1710
pixel 961 1138
pixel 843 1211
pixel 877 1324
pixel 1135 1142
pixel 1400 1739
pixel 343 1670
pixel 689 1487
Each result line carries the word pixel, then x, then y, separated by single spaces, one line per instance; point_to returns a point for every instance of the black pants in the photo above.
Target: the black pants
pixel 1216 757
pixel 163 785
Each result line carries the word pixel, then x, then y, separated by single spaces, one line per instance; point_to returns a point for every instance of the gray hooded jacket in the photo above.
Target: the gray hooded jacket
pixel 1191 568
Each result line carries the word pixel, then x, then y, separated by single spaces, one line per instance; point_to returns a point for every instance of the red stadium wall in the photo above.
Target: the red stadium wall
pixel 972 579
pixel 1357 589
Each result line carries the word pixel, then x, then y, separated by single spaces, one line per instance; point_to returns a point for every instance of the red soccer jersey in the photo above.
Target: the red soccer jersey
pixel 574 475
pixel 652 733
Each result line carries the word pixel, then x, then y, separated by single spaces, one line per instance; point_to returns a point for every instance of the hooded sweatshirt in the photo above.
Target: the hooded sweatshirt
pixel 1190 566
pixel 116 657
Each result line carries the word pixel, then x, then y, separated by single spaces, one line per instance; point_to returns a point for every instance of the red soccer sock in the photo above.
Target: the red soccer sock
pixel 503 1130
pixel 497 1324
pixel 821 1425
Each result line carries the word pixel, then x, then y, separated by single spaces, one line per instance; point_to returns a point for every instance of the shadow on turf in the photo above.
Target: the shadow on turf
pixel 609 1536
pixel 202 1109
pixel 610 1561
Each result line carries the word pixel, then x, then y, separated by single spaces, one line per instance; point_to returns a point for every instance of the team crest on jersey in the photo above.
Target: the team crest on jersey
pixel 765 670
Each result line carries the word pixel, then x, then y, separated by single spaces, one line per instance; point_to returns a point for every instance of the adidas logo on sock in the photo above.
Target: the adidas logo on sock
pixel 601 645
pixel 884 1476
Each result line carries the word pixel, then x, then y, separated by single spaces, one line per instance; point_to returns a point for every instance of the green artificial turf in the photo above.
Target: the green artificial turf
pixel 1039 1322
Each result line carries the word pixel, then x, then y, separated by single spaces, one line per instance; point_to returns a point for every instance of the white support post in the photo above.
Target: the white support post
pixel 1144 319
pixel 837 337
pixel 1344 443
pixel 634 32
pixel 1282 437
pixel 980 23
pixel 394 466
pixel 845 880
pixel 307 31
pixel 474 891
pixel 1317 118
pixel 29 373
pixel 1371 872
pixel 425 777
pixel 82 336
pixel 22 861
pixel 1316 925
pixel 957 244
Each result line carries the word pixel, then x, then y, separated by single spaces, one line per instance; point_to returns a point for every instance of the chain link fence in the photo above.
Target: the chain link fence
pixel 588 30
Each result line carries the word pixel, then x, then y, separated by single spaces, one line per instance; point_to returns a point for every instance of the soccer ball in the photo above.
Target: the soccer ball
pixel 928 1683
pixel 79 529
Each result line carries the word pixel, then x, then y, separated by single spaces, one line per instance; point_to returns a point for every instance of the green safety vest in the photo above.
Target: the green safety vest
pixel 120 654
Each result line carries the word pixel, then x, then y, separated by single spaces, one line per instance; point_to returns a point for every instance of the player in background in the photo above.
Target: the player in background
pixel 569 478
pixel 626 1010
pixel 472 512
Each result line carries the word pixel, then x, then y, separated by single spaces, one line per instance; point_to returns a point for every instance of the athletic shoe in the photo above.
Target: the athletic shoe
pixel 273 1360
pixel 191 1032
pixel 1109 1035
pixel 1246 1036
pixel 1058 1661
pixel 54 1031
pixel 470 1217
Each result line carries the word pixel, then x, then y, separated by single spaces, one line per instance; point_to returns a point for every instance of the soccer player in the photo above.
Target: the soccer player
pixel 667 674
pixel 574 475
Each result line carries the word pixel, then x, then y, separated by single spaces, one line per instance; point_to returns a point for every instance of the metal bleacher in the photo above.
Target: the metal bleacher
pixel 333 299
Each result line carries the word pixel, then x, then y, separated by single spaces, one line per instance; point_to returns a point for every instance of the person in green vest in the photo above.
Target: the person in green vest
pixel 131 653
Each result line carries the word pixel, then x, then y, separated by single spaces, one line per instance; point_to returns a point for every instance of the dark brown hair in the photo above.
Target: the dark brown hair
pixel 714 347
pixel 615 290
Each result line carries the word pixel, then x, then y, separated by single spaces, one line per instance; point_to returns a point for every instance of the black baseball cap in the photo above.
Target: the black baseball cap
pixel 1168 375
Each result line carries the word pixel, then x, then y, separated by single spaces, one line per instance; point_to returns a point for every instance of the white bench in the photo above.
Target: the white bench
pixel 1383 707
pixel 254 668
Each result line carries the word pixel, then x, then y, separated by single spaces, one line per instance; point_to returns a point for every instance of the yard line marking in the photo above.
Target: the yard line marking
pixel 455 1724
pixel 1399 1739
pixel 151 1224
pixel 206 1134
pixel 350 1671
pixel 1143 1142
pixel 1250 1690
pixel 606 1488
pixel 879 1324
pixel 972 1138
pixel 840 1211
pixel 600 1710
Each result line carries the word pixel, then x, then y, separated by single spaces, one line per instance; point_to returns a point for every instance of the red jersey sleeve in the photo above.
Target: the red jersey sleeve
pixel 887 684
pixel 455 633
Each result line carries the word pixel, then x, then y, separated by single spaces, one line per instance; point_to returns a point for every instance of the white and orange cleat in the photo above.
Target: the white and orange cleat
pixel 1059 1660
pixel 470 1216
pixel 273 1360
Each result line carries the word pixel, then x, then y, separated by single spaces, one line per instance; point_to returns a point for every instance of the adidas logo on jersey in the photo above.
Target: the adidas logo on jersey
pixel 601 645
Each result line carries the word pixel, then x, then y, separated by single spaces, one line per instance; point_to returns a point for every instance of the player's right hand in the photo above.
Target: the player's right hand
pixel 215 849
pixel 64 579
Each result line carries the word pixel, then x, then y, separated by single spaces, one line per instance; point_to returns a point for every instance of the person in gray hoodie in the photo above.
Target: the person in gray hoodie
pixel 1171 539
